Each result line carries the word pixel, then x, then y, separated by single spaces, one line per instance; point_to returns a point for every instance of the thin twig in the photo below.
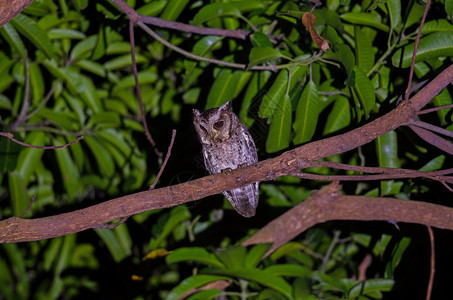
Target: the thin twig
pixel 42 103
pixel 173 135
pixel 200 58
pixel 363 267
pixel 137 87
pixel 368 177
pixel 434 128
pixel 333 243
pixel 29 205
pixel 10 136
pixel 411 72
pixel 379 170
pixel 429 110
pixel 124 219
pixel 238 34
pixel 433 263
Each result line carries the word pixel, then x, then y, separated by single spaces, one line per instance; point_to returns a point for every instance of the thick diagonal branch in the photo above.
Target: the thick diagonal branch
pixel 17 230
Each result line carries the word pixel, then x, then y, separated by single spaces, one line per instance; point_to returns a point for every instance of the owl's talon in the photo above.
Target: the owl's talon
pixel 242 165
pixel 227 171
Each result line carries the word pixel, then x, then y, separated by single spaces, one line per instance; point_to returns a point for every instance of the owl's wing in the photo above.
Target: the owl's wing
pixel 250 144
pixel 210 165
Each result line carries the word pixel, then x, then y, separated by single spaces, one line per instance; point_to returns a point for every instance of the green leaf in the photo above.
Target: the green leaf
pixel 216 10
pixel 193 282
pixel 371 286
pixel 363 90
pixel 177 216
pixel 91 66
pixel 9 153
pixel 344 54
pixel 36 83
pixel 260 55
pixel 262 277
pixel 105 119
pixel 144 77
pixel 368 19
pixel 307 112
pixel 232 256
pixel 255 255
pixel 29 157
pixel 415 14
pixel 273 96
pixel 17 193
pixel 289 270
pixel 280 130
pixel 206 294
pixel 202 47
pixel 10 34
pixel 84 48
pixel 173 9
pixel 255 85
pixel 364 50
pixel 152 8
pixel 80 4
pixel 33 33
pixel 123 61
pixel 89 94
pixel 434 164
pixel 117 249
pixel 196 254
pixel 441 99
pixel 339 117
pixel 69 173
pixel 387 150
pixel 62 119
pixel 438 44
pixel 18 263
pixel 259 39
pixel 115 138
pixel 61 33
pixel 394 10
pixel 36 9
pixel 103 157
pixel 223 89
pixel 449 8
pixel 397 256
pixel 436 25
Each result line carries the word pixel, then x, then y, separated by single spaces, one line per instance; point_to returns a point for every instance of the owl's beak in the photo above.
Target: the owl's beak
pixel 218 136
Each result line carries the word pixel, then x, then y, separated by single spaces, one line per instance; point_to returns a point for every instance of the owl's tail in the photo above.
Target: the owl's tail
pixel 244 199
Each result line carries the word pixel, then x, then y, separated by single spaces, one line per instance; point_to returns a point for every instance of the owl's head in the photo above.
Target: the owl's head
pixel 215 124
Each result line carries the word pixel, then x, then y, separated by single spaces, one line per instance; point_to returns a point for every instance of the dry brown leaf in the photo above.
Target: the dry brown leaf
pixel 308 19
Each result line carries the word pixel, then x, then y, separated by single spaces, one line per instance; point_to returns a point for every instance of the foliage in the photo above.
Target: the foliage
pixel 66 71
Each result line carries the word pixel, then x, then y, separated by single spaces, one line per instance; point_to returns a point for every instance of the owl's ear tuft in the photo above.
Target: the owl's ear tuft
pixel 196 112
pixel 226 106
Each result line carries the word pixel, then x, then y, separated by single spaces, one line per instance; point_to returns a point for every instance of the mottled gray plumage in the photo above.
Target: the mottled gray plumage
pixel 227 145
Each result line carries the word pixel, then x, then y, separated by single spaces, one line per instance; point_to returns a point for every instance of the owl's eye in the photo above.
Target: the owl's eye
pixel 218 124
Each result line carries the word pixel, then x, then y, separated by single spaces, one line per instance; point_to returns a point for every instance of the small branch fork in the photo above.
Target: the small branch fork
pixel 141 21
pixel 381 173
pixel 11 137
pixel 124 219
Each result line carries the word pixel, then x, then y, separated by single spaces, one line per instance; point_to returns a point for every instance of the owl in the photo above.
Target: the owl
pixel 228 145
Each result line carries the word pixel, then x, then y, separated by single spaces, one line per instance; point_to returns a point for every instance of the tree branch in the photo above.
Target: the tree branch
pixel 329 204
pixel 11 8
pixel 20 230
